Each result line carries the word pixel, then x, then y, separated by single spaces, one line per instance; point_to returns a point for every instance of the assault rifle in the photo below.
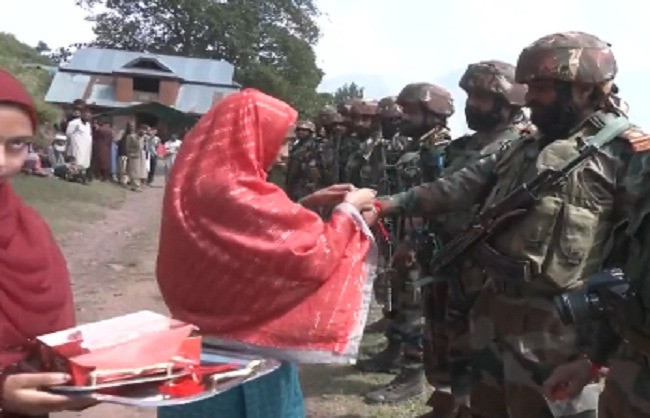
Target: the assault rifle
pixel 494 218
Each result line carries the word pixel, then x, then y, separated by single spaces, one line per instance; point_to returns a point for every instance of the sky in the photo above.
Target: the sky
pixel 385 44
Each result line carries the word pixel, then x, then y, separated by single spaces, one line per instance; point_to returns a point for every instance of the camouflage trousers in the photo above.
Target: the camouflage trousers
pixel 516 343
pixel 407 323
pixel 627 388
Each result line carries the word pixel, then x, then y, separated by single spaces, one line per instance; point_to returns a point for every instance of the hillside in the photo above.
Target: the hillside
pixel 19 59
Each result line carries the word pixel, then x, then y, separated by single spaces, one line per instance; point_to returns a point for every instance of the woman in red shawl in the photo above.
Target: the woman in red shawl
pixel 35 292
pixel 254 270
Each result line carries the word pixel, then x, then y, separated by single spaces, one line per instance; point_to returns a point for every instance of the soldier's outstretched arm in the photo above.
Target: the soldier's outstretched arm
pixel 460 190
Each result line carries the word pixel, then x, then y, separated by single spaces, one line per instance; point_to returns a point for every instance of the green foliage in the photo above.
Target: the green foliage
pixel 25 63
pixel 13 48
pixel 42 47
pixel 348 92
pixel 269 42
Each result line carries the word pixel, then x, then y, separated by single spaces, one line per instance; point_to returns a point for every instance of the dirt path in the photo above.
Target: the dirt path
pixel 112 264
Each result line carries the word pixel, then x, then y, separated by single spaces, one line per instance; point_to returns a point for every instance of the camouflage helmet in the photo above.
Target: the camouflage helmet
pixel 339 119
pixel 435 98
pixel 306 125
pixel 496 77
pixel 326 115
pixel 344 108
pixel 364 107
pixel 388 108
pixel 568 56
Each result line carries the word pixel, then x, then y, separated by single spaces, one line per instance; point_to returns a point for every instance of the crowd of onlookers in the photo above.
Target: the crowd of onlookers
pixel 83 148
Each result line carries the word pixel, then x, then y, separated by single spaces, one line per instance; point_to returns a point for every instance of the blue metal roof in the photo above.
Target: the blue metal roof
pixel 192 70
pixel 66 87
pixel 198 99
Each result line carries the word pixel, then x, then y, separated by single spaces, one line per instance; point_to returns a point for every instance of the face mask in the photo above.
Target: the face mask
pixel 59 148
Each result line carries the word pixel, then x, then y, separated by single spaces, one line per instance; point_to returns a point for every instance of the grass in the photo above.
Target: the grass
pixel 338 391
pixel 67 207
pixel 14 55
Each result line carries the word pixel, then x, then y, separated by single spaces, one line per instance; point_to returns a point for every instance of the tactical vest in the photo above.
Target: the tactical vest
pixel 559 241
pixel 311 167
pixel 461 153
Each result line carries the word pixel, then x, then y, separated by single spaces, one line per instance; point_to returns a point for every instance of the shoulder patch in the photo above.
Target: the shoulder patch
pixel 638 140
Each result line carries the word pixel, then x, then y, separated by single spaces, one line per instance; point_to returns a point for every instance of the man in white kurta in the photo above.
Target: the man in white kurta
pixel 80 140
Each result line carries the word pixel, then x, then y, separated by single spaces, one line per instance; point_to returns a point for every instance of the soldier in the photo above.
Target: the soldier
pixel 348 143
pixel 365 163
pixel 311 165
pixel 334 130
pixel 494 111
pixel 324 121
pixel 558 222
pixel 426 108
pixel 395 144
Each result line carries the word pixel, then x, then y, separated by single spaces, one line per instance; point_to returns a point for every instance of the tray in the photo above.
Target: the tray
pixel 146 392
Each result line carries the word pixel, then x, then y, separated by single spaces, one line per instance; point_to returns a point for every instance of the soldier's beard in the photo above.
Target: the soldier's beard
pixel 413 130
pixel 481 121
pixel 389 129
pixel 555 120
pixel 363 132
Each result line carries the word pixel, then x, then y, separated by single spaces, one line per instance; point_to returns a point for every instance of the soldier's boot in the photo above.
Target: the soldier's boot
pixel 407 385
pixel 386 361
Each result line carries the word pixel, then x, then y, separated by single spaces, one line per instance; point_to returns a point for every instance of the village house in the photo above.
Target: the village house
pixel 160 90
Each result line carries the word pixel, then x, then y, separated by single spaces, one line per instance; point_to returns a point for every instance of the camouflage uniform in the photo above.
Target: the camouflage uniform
pixel 345 144
pixel 311 164
pixel 449 356
pixel 365 164
pixel 395 145
pixel 623 342
pixel 626 393
pixel 551 248
pixel 405 330
pixel 392 147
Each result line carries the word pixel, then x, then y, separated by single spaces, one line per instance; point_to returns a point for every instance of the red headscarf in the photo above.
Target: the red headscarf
pixel 243 262
pixel 35 292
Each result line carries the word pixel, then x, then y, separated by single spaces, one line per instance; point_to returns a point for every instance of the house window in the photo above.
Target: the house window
pixel 146 85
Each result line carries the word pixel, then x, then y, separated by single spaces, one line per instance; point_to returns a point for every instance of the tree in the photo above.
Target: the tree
pixel 270 42
pixel 348 92
pixel 42 47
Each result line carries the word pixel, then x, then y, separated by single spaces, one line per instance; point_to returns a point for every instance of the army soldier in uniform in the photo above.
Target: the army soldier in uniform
pixel 393 147
pixel 334 130
pixel 622 338
pixel 426 108
pixel 554 243
pixel 310 166
pixel 324 121
pixel 348 143
pixel 365 163
pixel 395 144
pixel 493 110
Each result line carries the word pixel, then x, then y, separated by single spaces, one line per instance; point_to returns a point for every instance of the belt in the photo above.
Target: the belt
pixel 499 265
